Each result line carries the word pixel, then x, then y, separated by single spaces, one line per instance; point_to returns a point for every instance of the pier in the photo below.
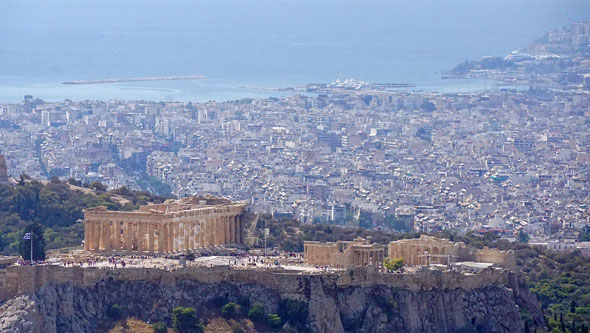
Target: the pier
pixel 137 79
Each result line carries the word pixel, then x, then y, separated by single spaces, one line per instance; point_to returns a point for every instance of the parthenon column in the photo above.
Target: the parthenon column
pixel 175 236
pixel 225 220
pixel 239 230
pixel 186 229
pixel 198 233
pixel 226 230
pixel 219 238
pixel 232 230
pixel 212 231
pixel 191 236
pixel 221 229
pixel 151 234
pixel 201 232
pixel 206 231
pixel 229 230
pixel 236 232
pixel 180 237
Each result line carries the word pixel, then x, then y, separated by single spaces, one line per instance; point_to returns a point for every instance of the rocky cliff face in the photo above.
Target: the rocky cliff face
pixel 332 306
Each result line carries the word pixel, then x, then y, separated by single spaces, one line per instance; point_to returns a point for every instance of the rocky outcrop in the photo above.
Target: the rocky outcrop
pixel 16 315
pixel 353 301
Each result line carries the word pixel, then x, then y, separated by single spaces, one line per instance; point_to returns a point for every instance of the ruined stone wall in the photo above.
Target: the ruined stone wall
pixel 74 299
pixel 16 280
pixel 504 258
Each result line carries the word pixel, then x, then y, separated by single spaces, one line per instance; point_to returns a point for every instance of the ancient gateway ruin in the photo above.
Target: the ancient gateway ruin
pixel 174 226
pixel 344 254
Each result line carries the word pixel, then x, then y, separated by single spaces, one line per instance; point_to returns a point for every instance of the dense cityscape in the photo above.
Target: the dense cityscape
pixel 478 185
pixel 511 161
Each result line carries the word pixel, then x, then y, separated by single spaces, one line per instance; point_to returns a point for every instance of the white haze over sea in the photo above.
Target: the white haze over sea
pixel 271 43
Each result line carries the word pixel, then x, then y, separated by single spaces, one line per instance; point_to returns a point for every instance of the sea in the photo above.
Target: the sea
pixel 263 43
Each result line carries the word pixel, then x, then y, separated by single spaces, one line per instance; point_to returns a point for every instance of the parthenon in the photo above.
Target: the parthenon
pixel 173 226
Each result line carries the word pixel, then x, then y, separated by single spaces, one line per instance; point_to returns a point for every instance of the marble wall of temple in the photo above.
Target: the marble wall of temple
pixel 174 226
pixel 431 250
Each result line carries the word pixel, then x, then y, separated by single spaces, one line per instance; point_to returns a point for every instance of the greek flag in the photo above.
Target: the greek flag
pixel 27 236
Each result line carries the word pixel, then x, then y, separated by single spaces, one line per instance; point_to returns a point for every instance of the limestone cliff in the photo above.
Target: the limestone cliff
pixel 352 301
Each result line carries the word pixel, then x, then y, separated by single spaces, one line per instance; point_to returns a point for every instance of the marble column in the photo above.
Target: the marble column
pixel 96 235
pixel 211 225
pixel 232 230
pixel 140 237
pixel 191 239
pixel 151 236
pixel 160 238
pixel 101 235
pixel 175 236
pixel 169 238
pixel 181 244
pixel 239 230
pixel 112 228
pixel 128 236
pixel 226 230
pixel 235 226
pixel 102 231
pixel 117 238
pixel 219 238
pixel 201 232
pixel 206 240
pixel 107 235
pixel 211 232
pixel 221 229
pixel 186 229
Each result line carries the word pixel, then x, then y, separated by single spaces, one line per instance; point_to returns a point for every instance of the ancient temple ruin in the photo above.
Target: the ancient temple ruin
pixel 173 226
pixel 432 250
pixel 344 254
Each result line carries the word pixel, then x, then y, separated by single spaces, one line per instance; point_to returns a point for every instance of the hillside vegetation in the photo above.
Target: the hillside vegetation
pixel 57 206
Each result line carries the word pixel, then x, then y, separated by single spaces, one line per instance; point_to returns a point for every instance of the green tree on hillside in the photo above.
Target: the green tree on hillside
pixel 256 312
pixel 184 320
pixel 32 235
pixel 230 309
